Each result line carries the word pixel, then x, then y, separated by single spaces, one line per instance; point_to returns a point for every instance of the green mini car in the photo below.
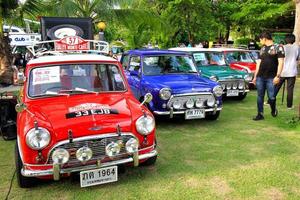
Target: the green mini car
pixel 212 65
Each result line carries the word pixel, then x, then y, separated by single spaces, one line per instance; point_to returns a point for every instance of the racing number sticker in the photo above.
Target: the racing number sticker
pixel 82 113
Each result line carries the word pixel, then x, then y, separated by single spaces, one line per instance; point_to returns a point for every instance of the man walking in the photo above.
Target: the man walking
pixel 289 71
pixel 267 74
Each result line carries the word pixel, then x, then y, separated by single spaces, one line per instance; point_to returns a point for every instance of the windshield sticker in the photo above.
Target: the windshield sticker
pixel 79 72
pixel 83 113
pixel 88 106
pixel 46 75
pixel 118 78
pixel 199 56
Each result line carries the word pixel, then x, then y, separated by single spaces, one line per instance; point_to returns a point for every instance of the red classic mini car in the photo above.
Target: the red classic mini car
pixel 238 59
pixel 77 114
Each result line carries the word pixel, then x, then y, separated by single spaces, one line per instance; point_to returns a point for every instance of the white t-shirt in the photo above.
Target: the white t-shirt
pixel 292 53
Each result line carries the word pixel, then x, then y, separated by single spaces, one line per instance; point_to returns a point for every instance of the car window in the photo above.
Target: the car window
pixel 85 77
pixel 135 63
pixel 209 58
pixel 156 65
pixel 239 57
pixel 124 61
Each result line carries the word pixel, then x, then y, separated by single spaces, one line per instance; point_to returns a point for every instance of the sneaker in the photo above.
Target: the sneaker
pixel 258 117
pixel 274 113
pixel 266 103
pixel 290 108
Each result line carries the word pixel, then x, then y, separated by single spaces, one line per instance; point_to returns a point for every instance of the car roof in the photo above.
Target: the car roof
pixel 71 58
pixel 196 49
pixel 154 52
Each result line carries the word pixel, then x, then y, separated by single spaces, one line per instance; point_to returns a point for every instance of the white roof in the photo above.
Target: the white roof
pixel 196 49
pixel 71 58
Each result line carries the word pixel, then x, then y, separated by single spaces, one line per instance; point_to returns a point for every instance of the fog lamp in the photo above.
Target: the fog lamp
pixel 60 156
pixel 84 154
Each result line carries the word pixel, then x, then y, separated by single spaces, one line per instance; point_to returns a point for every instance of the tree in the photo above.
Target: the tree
pixel 255 15
pixel 12 11
pixel 297 24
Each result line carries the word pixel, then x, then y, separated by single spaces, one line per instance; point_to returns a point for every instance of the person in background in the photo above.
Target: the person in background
pixel 267 74
pixel 289 72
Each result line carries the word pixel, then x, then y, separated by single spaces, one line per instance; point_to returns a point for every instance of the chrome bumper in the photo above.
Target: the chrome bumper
pixel 240 91
pixel 171 112
pixel 56 170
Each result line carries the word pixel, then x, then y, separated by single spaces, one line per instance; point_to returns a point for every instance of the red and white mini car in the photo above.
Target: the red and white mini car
pixel 77 114
pixel 238 59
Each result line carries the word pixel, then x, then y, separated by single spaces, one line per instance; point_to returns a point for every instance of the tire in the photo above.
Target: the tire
pixel 241 96
pixel 23 182
pixel 213 116
pixel 149 161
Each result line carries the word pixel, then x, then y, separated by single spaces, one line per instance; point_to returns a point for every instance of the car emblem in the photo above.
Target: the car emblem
pixel 95 128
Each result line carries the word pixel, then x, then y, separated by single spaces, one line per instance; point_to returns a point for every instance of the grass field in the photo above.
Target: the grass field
pixel 231 158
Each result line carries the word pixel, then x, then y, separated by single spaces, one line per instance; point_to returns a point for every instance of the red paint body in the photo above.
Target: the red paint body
pixel 50 113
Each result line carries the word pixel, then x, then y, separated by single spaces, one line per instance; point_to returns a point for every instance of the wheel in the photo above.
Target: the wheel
pixel 150 161
pixel 213 116
pixel 241 96
pixel 24 182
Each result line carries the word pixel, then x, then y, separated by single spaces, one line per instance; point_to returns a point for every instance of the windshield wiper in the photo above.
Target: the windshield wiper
pixel 51 93
pixel 78 90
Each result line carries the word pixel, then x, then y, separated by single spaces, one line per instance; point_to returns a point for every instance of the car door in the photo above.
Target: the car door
pixel 133 73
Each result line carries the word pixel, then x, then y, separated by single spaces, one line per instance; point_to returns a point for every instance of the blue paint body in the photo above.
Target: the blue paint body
pixel 179 83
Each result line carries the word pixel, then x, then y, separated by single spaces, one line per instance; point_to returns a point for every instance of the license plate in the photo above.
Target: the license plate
pixel 195 114
pixel 98 176
pixel 232 93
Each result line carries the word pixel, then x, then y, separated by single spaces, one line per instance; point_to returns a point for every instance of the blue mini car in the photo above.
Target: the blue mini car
pixel 173 80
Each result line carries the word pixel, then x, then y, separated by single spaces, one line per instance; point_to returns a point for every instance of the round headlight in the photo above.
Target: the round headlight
pixel 176 105
pixel 132 145
pixel 234 86
pixel 145 125
pixel 248 77
pixel 211 101
pixel 241 85
pixel 84 154
pixel 38 139
pixel 112 149
pixel 165 93
pixel 218 91
pixel 199 103
pixel 189 103
pixel 213 78
pixel 60 156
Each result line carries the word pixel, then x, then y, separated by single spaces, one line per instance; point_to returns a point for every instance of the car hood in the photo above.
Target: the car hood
pixel 181 83
pixel 63 113
pixel 221 72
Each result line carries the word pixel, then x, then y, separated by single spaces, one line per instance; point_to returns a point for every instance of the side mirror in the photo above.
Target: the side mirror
pixel 147 98
pixel 20 107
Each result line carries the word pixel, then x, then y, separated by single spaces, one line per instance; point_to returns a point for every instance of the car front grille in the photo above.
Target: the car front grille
pixel 96 145
pixel 182 99
pixel 232 84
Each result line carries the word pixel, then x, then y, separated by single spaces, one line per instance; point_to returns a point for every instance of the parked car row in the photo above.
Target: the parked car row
pixel 88 113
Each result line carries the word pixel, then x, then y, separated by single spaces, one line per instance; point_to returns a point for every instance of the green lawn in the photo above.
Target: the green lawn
pixel 231 158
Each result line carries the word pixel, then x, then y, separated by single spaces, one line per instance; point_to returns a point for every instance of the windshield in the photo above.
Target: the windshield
pixel 77 78
pixel 167 64
pixel 239 56
pixel 209 58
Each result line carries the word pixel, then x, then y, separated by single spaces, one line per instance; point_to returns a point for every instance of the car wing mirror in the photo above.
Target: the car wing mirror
pixel 147 98
pixel 20 107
